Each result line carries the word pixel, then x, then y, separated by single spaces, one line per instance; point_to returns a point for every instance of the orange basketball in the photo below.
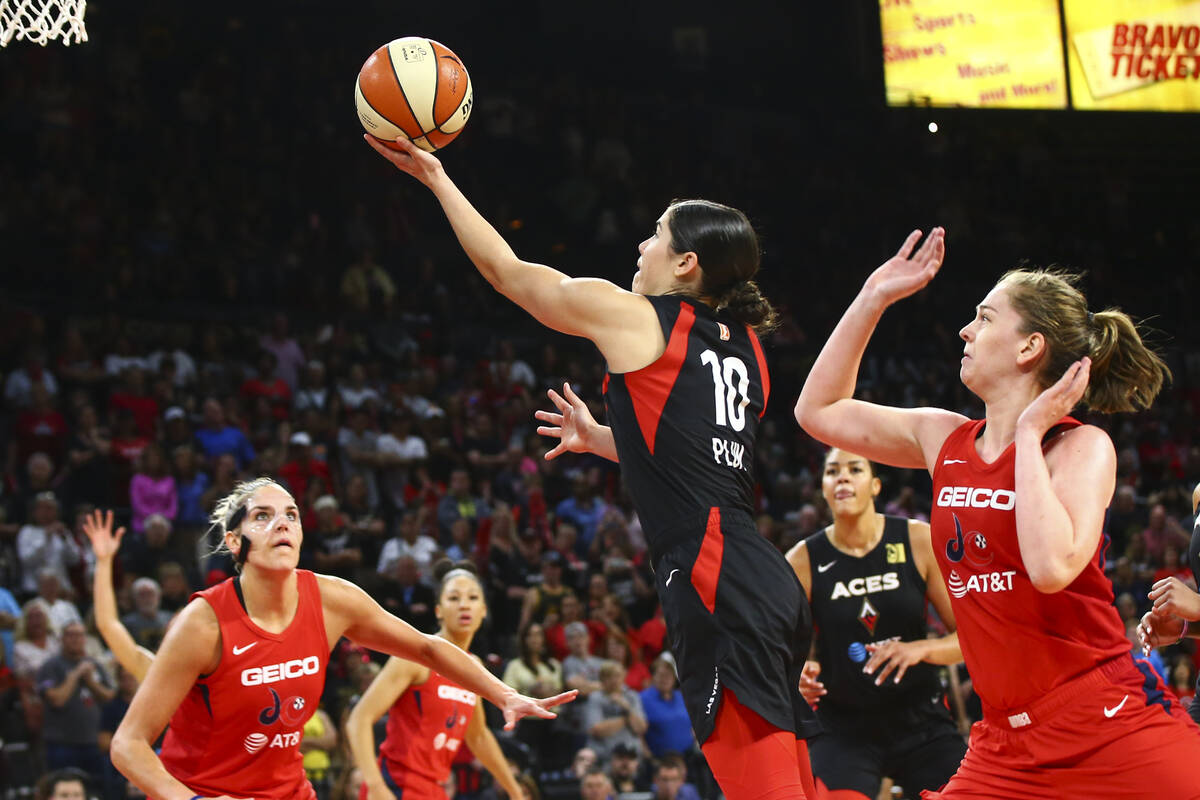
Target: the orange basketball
pixel 416 87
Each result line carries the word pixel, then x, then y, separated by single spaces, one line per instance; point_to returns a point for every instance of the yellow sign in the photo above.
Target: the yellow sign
pixel 948 53
pixel 1134 54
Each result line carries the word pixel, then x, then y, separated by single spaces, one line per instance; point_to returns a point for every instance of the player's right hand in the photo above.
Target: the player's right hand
pixel 573 424
pixel 1158 630
pixel 906 272
pixel 99 529
pixel 812 689
pixel 409 158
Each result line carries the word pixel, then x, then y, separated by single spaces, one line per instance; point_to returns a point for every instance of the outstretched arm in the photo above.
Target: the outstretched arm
pixel 575 427
pixel 827 409
pixel 99 529
pixel 350 612
pixel 622 324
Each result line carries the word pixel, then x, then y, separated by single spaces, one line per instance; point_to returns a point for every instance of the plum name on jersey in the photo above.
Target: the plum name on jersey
pixel 857 587
pixel 455 693
pixel 727 452
pixel 273 673
pixel 976 497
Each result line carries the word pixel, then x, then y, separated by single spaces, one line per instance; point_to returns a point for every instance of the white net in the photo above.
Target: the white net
pixel 42 21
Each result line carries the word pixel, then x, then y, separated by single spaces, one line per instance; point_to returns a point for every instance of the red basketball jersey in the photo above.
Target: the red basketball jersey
pixel 238 730
pixel 425 727
pixel 1018 643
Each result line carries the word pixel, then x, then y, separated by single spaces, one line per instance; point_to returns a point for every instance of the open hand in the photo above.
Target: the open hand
pixel 893 656
pixel 517 706
pixel 1057 401
pixel 812 689
pixel 99 529
pixel 907 272
pixel 573 424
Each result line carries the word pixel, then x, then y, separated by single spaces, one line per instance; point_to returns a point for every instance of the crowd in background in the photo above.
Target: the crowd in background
pixel 191 299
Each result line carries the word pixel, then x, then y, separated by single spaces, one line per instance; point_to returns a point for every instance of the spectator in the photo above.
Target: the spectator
pixel 39 428
pixel 1172 568
pixel 355 392
pixel 115 786
pixel 34 643
pixel 335 549
pixel 176 589
pixel 366 286
pixel 358 446
pixel 68 783
pixel 596 785
pixel 400 450
pixel 10 615
pixel 1161 530
pixel 132 396
pixel 74 688
pixel 572 611
pixel 62 612
pixel 127 446
pixel 409 542
pixel 618 648
pixel 459 503
pixel 190 485
pixel 218 438
pixel 670 780
pixel 535 671
pixel 266 384
pixel 145 555
pixel 613 714
pixel 18 389
pixel 45 543
pixel 364 517
pixel 543 602
pixel 288 355
pixel 147 623
pixel 88 452
pixel 152 489
pixel 301 467
pixel 669 729
pixel 581 669
pixel 313 392
pixel 584 510
pixel 403 594
pixel 625 770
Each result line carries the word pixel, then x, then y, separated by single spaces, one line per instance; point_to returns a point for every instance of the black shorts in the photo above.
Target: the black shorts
pixel 918 747
pixel 736 616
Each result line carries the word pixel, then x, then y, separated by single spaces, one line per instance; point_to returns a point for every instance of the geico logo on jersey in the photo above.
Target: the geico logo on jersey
pixel 454 693
pixel 273 673
pixel 857 587
pixel 974 497
pixel 988 582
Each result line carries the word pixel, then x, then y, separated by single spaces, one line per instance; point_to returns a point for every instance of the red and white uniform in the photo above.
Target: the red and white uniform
pixel 1068 712
pixel 426 726
pixel 238 730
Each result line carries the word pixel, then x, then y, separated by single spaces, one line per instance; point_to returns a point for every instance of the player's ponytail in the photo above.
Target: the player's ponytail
pixel 726 248
pixel 1126 375
pixel 746 304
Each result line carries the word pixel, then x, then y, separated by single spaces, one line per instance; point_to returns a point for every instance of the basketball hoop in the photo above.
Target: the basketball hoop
pixel 41 21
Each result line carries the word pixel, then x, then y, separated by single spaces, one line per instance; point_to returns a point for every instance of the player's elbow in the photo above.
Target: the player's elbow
pixel 1049 578
pixel 121 750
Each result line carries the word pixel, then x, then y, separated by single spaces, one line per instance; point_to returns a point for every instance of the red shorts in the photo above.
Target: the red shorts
pixel 1112 732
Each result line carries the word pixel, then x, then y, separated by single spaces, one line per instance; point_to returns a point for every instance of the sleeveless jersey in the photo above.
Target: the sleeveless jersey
pixel 858 601
pixel 425 727
pixel 684 426
pixel 238 730
pixel 1018 643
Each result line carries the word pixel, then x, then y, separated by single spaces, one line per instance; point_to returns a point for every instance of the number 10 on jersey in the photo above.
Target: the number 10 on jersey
pixel 731 382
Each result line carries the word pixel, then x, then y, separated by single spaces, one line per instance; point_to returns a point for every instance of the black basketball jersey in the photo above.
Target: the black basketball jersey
pixel 857 601
pixel 684 426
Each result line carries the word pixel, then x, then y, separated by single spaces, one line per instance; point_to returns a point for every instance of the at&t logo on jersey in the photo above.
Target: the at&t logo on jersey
pixel 258 740
pixel 255 742
pixel 987 583
pixel 858 587
pixel 273 673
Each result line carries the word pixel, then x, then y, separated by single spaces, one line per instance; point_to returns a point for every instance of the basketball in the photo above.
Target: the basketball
pixel 416 87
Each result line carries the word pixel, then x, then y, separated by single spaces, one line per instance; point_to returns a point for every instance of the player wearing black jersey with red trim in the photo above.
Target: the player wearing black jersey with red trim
pixel 870 579
pixel 684 405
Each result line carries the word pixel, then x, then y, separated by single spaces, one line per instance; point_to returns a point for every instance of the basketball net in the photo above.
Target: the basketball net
pixel 41 21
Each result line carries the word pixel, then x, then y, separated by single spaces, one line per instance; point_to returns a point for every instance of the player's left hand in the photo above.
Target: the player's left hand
pixel 1158 630
pixel 893 656
pixel 1057 401
pixel 516 706
pixel 409 158
pixel 1173 596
